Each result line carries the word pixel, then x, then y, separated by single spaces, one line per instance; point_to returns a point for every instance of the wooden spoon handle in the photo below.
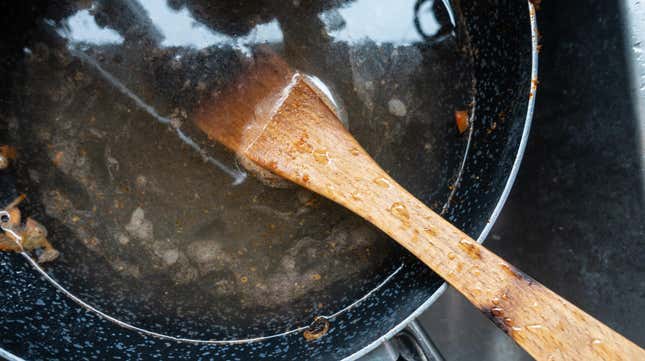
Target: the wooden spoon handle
pixel 546 325
pixel 305 143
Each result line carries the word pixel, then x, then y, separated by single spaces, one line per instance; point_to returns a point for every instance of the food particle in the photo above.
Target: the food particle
pixel 31 235
pixel 461 118
pixel 397 108
pixel 58 158
pixel 317 329
pixel 8 151
pixel 4 162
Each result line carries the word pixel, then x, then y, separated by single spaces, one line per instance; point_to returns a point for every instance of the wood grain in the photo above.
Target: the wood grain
pixel 302 140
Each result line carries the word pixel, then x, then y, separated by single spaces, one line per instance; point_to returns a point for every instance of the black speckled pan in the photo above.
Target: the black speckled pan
pixel 169 247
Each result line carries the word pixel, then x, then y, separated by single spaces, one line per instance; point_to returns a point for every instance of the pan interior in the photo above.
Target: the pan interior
pixel 155 224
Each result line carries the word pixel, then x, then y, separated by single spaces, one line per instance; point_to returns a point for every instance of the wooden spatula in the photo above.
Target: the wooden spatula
pixel 273 116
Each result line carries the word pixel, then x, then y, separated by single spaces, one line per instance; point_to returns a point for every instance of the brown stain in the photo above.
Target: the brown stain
pixel 496 314
pixel 471 248
pixel 509 270
pixel 302 145
pixel 511 314
pixel 501 310
pixel 516 274
pixel 430 231
pixel 497 311
pixel 460 267
pixel 8 151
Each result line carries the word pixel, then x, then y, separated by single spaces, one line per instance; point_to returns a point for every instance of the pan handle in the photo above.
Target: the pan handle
pixel 415 344
pixel 411 344
pixel 445 30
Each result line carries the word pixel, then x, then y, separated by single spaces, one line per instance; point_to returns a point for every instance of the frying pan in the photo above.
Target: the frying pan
pixel 169 247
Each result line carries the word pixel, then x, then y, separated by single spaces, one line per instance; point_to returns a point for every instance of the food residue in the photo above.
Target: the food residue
pixel 317 329
pixel 28 236
pixel 7 153
pixel 461 119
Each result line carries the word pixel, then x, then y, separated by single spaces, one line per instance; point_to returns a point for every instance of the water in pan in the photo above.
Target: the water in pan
pixel 156 225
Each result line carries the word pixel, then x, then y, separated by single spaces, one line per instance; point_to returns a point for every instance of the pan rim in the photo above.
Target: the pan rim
pixel 500 203
pixel 491 220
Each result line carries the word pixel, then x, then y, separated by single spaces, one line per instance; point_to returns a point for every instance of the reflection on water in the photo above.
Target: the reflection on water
pixel 400 22
pixel 388 22
pixel 82 28
pixel 179 28
pixel 176 27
